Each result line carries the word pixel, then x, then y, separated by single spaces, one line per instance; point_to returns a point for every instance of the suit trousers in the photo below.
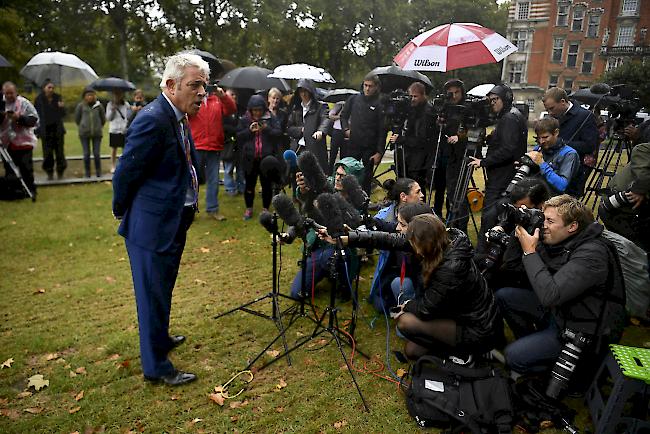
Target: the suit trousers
pixel 154 275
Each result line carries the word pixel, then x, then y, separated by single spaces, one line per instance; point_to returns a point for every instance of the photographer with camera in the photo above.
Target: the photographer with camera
pixel 626 210
pixel 578 129
pixel 418 138
pixel 558 163
pixel 506 144
pixel 578 292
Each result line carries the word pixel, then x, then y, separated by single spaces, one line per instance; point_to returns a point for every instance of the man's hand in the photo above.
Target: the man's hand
pixel 376 158
pixel 536 156
pixel 452 140
pixel 219 92
pixel 254 127
pixel 636 198
pixel 393 138
pixel 475 162
pixel 528 242
pixel 317 135
pixel 347 133
pixel 632 132
pixel 300 181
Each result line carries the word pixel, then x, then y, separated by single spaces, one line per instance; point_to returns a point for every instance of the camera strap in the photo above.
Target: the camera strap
pixel 584 121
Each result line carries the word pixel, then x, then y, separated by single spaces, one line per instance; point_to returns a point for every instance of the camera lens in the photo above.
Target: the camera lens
pixel 616 200
pixel 566 363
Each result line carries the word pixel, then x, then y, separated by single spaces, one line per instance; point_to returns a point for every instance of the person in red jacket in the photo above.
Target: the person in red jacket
pixel 207 132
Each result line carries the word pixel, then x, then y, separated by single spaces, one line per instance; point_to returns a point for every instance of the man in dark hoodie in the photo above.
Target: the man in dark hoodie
pixel 362 120
pixel 577 286
pixel 309 123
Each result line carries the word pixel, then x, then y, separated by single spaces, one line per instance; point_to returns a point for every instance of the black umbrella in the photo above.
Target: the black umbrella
pixel 393 77
pixel 253 77
pixel 337 95
pixel 4 63
pixel 112 83
pixel 586 96
pixel 216 68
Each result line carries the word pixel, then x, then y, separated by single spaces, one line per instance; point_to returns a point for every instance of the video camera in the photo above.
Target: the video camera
pixel 622 103
pixel 474 113
pixel 397 108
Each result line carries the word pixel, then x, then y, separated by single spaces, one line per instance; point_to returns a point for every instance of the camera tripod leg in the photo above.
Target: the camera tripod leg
pixel 4 153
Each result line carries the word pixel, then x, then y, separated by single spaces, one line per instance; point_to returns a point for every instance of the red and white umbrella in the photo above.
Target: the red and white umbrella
pixel 454 46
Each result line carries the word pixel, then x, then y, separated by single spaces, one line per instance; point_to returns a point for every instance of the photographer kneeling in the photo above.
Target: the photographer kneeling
pixel 577 285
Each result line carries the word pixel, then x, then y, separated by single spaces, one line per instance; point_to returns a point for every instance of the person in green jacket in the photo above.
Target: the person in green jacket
pixel 90 118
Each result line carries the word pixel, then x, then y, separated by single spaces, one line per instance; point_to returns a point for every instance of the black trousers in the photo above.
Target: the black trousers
pixel 25 163
pixel 53 143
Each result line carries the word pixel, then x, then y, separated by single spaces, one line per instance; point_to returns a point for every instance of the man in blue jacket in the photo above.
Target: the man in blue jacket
pixel 155 191
pixel 558 163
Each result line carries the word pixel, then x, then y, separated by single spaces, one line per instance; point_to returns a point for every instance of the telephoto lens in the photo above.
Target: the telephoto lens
pixel 566 362
pixel 527 168
pixel 616 200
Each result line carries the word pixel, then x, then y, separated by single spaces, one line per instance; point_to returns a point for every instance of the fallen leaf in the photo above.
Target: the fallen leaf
pixel 340 424
pixel 81 370
pixel 4 401
pixel 52 356
pixel 196 420
pixel 74 410
pixel 173 398
pixel 401 372
pixel 205 250
pixel 24 394
pixel 40 291
pixel 79 396
pixel 110 279
pixel 7 363
pixel 122 259
pixel 113 357
pixel 10 413
pixel 225 241
pixel 125 364
pixel 37 382
pixel 279 409
pixel 218 389
pixel 31 269
pixel 218 398
pixel 635 321
pixel 281 385
pixel 33 410
pixel 200 282
pixel 273 353
pixel 234 418
pixel 73 374
pixel 238 404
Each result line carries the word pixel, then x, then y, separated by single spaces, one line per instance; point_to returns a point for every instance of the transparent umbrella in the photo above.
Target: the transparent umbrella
pixel 60 68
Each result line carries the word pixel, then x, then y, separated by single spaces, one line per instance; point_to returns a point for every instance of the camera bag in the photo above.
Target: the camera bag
pixel 447 395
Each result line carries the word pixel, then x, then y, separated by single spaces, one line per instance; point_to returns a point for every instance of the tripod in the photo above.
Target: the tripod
pixel 460 204
pixel 332 325
pixel 434 165
pixel 399 160
pixel 4 154
pixel 615 146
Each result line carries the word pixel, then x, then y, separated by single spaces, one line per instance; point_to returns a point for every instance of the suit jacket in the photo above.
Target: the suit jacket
pixel 151 181
pixel 585 139
pixel 316 119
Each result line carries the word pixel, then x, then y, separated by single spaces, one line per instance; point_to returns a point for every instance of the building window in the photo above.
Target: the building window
pixel 562 15
pixel 578 17
pixel 568 84
pixel 613 63
pixel 552 80
pixel 629 7
pixel 519 38
pixel 516 72
pixel 625 36
pixel 523 9
pixel 572 55
pixel 530 102
pixel 558 45
pixel 587 62
pixel 593 25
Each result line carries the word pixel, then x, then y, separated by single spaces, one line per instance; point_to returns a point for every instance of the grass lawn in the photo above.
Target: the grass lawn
pixel 68 314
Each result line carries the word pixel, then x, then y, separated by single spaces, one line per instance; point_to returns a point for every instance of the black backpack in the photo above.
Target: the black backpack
pixel 444 394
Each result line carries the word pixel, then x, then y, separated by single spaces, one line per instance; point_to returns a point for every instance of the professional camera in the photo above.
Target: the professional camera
pixel 397 108
pixel 497 243
pixel 527 167
pixel 474 113
pixel 616 200
pixel 566 362
pixel 623 112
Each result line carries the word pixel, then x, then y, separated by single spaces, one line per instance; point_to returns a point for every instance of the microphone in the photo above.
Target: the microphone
pixel 291 158
pixel 266 220
pixel 349 213
pixel 600 89
pixel 283 205
pixel 353 191
pixel 328 206
pixel 271 168
pixel 315 178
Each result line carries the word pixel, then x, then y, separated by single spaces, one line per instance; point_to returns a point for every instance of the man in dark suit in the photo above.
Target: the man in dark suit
pixel 577 129
pixel 155 195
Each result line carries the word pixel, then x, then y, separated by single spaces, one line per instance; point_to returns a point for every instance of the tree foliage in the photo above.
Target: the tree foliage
pixel 130 38
pixel 635 74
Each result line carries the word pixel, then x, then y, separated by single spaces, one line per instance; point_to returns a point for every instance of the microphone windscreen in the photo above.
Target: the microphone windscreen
pixel 353 191
pixel 283 205
pixel 329 209
pixel 272 169
pixel 291 158
pixel 266 220
pixel 600 88
pixel 349 213
pixel 315 178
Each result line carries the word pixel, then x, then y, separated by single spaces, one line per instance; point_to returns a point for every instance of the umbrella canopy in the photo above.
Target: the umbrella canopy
pixel 394 77
pixel 481 90
pixel 4 63
pixel 336 95
pixel 586 96
pixel 454 46
pixel 216 68
pixel 297 71
pixel 252 77
pixel 60 68
pixel 112 83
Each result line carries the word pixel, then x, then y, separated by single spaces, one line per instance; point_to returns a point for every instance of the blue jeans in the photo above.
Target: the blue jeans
pixel 233 177
pixel 407 290
pixel 538 341
pixel 209 162
pixel 85 144
pixel 317 268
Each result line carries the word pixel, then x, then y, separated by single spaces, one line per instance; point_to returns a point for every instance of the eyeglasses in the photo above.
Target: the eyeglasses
pixel 494 100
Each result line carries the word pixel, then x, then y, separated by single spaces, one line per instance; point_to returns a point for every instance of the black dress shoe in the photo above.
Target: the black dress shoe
pixel 174 379
pixel 177 340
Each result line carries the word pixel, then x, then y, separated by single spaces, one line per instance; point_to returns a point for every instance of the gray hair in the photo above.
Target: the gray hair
pixel 176 64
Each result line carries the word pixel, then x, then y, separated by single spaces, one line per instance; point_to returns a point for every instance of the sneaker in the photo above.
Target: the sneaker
pixel 248 214
pixel 216 216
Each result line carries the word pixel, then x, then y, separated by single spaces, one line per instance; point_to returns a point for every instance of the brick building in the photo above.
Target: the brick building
pixel 570 43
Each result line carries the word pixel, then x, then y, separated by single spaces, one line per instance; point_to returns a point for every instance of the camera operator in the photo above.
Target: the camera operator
pixel 506 144
pixel 627 210
pixel 577 289
pixel 418 140
pixel 638 133
pixel 577 128
pixel 558 163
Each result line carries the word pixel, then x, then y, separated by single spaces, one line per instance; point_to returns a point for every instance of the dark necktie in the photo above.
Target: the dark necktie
pixel 188 156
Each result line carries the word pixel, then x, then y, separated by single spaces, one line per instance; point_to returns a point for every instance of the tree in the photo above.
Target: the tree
pixel 634 74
